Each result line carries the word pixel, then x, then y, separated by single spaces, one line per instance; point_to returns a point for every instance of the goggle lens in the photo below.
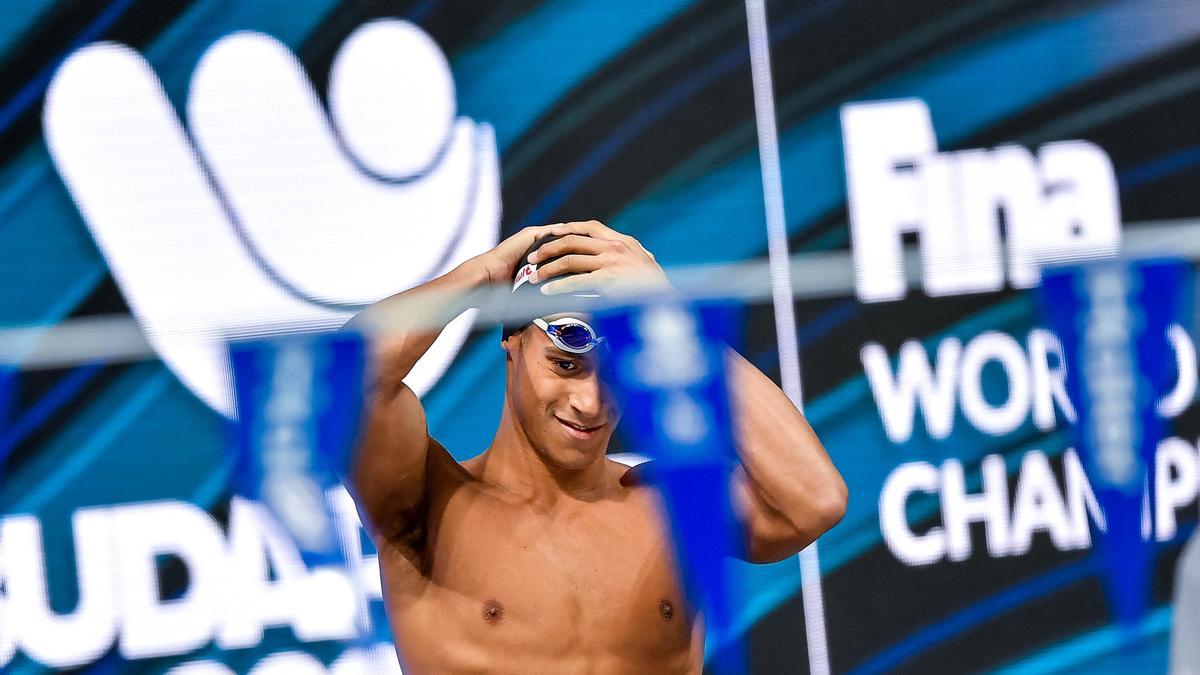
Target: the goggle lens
pixel 574 336
pixel 570 335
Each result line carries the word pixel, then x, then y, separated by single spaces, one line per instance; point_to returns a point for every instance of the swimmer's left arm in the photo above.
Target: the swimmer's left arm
pixel 786 492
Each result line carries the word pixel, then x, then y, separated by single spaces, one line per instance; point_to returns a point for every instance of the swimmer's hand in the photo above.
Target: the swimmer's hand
pixel 597 258
pixel 500 264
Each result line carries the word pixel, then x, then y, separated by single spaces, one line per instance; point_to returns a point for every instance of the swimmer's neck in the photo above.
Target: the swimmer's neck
pixel 511 462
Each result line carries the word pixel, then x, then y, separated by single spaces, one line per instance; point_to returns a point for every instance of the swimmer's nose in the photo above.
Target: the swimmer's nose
pixel 587 400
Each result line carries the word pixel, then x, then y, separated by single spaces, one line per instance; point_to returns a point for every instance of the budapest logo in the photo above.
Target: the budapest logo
pixel 262 212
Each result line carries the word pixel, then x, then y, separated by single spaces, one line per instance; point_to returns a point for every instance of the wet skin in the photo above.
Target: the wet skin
pixel 534 557
pixel 497 585
pixel 540 555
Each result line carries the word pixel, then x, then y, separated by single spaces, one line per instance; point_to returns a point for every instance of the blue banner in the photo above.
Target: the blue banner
pixel 1112 318
pixel 299 403
pixel 668 372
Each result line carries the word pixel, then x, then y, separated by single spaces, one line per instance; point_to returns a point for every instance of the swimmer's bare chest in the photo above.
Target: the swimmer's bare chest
pixel 496 586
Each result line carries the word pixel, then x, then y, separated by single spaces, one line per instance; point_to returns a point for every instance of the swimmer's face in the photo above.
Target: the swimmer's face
pixel 559 400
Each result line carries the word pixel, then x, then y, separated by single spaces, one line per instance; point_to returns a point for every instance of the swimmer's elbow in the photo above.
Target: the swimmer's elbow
pixel 831 507
pixel 771 539
pixel 822 513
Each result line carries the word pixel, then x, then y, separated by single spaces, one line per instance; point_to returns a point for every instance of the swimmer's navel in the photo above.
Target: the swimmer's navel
pixel 493 611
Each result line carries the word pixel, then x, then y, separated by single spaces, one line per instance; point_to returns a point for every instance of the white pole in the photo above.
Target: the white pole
pixel 781 295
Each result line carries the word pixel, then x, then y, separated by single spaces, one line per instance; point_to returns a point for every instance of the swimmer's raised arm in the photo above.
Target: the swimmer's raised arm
pixel 786 492
pixel 391 466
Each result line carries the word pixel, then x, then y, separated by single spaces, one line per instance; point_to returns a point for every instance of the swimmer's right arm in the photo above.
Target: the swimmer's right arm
pixel 396 456
pixel 389 471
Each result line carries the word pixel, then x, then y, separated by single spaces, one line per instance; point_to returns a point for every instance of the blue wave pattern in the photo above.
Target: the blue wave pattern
pixel 123 430
pixel 493 78
pixel 131 428
pixel 967 90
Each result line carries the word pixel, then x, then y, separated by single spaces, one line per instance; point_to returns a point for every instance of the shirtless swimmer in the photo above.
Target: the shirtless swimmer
pixel 540 555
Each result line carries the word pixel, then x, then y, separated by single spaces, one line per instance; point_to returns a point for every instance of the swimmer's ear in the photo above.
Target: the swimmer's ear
pixel 508 344
pixel 514 340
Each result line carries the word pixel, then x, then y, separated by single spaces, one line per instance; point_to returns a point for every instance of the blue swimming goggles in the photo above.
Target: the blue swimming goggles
pixel 570 334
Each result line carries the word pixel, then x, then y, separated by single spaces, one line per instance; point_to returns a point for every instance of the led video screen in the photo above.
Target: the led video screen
pixel 219 170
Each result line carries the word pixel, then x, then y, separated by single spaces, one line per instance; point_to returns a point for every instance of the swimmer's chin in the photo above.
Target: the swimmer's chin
pixel 574 457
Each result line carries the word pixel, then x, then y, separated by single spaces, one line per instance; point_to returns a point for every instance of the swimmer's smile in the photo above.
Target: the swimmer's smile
pixel 541 529
pixel 579 431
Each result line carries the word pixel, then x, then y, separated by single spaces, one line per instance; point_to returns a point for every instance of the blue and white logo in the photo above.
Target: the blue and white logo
pixel 261 212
